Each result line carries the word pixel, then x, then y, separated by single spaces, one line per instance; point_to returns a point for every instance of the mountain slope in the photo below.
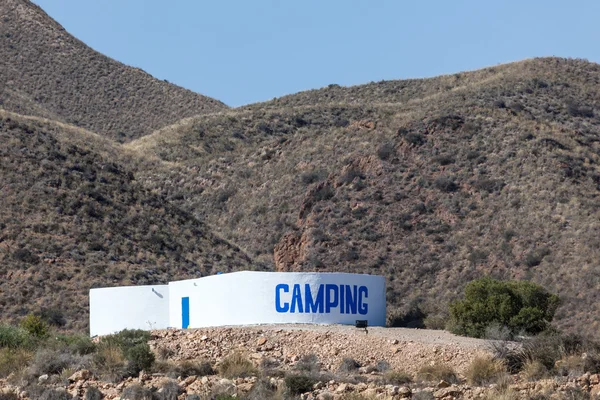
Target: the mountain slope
pixel 46 72
pixel 73 217
pixel 496 173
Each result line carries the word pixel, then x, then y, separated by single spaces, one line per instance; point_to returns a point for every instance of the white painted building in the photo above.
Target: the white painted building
pixel 241 298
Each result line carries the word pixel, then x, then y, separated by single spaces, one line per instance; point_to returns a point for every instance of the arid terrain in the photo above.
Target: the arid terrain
pixel 111 177
pixel 312 362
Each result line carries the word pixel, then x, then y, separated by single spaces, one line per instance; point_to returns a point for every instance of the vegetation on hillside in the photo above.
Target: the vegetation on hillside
pixel 73 217
pixel 431 183
pixel 46 72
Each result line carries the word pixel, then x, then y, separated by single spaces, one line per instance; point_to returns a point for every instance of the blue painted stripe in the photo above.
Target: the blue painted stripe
pixel 185 312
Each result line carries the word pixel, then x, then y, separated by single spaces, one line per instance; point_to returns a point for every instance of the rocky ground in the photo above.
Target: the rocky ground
pixel 283 348
pixel 406 349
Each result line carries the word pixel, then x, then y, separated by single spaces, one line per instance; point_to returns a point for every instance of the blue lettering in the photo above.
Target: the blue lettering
pixel 296 299
pixel 363 308
pixel 342 299
pixel 313 306
pixel 331 297
pixel 285 307
pixel 351 299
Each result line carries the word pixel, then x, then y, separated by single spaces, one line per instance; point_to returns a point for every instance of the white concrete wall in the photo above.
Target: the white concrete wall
pixel 128 307
pixel 244 298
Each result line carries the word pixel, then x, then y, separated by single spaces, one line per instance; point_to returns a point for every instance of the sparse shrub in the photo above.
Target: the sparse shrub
pixel 55 394
pixel 136 392
pixel 9 396
pixel 518 305
pixel 534 258
pixel 26 256
pixel 496 331
pixel 554 352
pixel 110 361
pixel 415 138
pixel 502 394
pixel 308 363
pixel 236 365
pixel 13 337
pixel 262 390
pixel 348 365
pixel 311 177
pixel 53 317
pixel 423 395
pixel 397 377
pixel 169 390
pixel 35 326
pixel 13 360
pixel 127 338
pixel 385 151
pixel 190 368
pixel 484 370
pixel 92 393
pixel 164 353
pixel 576 110
pixel 349 175
pixel 500 103
pixel 445 184
pixel 534 370
pixel 382 366
pixel 571 365
pixel 79 344
pixel 139 358
pixel 444 159
pixel 298 384
pixel 437 372
pixel 55 361
pixel 270 367
pixel 437 322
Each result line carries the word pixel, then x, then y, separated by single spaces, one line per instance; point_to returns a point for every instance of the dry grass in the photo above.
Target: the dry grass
pixel 236 365
pixel 534 370
pixel 484 370
pixel 437 372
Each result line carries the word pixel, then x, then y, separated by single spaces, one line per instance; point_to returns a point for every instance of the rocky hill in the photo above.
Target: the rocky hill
pixel 73 217
pixel 46 72
pixel 430 182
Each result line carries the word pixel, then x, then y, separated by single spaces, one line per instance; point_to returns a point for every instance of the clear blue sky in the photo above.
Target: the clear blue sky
pixel 246 51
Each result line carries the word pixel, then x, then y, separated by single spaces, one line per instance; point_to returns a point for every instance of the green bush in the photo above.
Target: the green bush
pixel 127 338
pixel 139 358
pixel 14 337
pixel 35 326
pixel 298 384
pixel 521 306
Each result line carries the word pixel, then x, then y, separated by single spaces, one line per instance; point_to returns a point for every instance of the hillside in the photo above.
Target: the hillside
pixel 73 217
pixel 46 72
pixel 109 176
pixel 430 182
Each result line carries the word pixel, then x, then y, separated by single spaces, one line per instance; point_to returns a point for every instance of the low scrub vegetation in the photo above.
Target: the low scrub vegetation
pixel 237 365
pixel 484 370
pixel 437 372
pixel 31 350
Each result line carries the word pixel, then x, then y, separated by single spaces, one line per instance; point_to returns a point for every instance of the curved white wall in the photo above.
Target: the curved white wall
pixel 245 298
pixel 241 298
pixel 128 307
